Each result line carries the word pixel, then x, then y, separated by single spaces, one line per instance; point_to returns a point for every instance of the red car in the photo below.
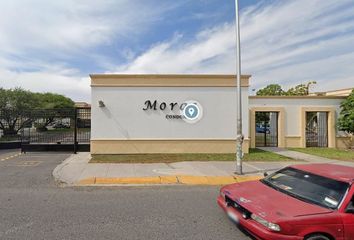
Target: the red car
pixel 310 202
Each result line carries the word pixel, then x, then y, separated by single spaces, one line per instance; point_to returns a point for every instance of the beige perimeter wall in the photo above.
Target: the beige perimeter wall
pixel 122 126
pixel 292 118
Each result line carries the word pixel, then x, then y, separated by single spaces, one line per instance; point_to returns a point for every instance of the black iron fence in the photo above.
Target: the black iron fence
pixel 266 129
pixel 10 124
pixel 48 129
pixel 316 129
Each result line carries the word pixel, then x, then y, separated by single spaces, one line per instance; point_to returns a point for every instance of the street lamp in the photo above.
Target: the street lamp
pixel 239 137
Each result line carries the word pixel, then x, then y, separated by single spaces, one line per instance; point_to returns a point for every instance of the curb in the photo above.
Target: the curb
pixel 181 180
pixel 60 178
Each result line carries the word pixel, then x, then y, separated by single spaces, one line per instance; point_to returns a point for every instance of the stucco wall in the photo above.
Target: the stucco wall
pixel 123 116
pixel 293 107
pixel 292 117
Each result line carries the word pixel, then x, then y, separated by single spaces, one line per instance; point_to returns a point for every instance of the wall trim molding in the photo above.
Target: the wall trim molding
pixel 163 146
pixel 165 139
pixel 297 97
pixel 166 80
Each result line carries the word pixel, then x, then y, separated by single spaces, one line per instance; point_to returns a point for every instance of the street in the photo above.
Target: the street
pixel 34 207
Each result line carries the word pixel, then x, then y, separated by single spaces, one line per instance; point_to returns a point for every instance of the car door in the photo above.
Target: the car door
pixel 348 220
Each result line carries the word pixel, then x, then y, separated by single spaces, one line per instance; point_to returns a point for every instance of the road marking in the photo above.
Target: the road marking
pixel 9 157
pixel 28 164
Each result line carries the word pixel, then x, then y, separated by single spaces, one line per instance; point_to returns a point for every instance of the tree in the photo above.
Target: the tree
pixel 16 105
pixel 276 90
pixel 51 106
pixel 53 101
pixel 271 90
pixel 300 90
pixel 346 118
pixel 13 103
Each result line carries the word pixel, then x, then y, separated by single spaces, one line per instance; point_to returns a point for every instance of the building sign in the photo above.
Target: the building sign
pixel 189 111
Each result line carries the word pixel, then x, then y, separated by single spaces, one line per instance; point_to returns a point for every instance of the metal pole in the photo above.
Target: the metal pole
pixel 75 131
pixel 239 137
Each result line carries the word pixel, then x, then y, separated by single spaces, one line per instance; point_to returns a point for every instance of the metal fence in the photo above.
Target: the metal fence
pixel 48 129
pixel 10 129
pixel 316 129
pixel 266 129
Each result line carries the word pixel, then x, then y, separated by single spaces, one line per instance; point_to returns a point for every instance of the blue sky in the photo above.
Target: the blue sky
pixel 54 45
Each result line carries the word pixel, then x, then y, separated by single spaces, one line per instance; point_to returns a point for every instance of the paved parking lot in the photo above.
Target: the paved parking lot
pixel 34 207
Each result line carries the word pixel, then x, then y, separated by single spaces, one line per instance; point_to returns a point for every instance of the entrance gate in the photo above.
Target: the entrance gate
pixel 56 130
pixel 266 129
pixel 316 129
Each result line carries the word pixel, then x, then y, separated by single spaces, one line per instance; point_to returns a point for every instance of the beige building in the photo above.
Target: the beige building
pixel 299 121
pixel 339 92
pixel 146 114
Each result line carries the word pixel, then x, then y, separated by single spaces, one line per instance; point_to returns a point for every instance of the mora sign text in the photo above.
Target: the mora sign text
pixel 149 105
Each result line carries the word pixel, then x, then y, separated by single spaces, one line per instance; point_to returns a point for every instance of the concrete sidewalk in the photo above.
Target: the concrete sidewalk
pixel 77 171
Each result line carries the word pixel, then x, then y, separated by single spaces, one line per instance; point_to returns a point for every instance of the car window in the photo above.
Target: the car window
pixel 308 187
pixel 351 204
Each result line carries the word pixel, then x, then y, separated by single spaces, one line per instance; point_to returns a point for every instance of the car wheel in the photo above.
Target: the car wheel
pixel 317 237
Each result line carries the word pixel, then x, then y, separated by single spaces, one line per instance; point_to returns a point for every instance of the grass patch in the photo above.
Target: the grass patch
pixel 254 155
pixel 260 155
pixel 10 138
pixel 332 153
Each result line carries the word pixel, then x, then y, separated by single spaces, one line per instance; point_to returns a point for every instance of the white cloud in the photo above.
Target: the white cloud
pixel 283 41
pixel 288 42
pixel 60 80
pixel 71 25
pixel 37 37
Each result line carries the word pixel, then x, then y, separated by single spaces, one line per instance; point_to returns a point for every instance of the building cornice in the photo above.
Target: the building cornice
pixel 297 97
pixel 166 80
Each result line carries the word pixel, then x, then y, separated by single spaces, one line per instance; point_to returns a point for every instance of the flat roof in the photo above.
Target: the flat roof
pixel 297 97
pixel 339 90
pixel 167 80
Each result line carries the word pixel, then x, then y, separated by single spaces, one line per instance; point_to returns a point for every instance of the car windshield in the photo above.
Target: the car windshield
pixel 308 187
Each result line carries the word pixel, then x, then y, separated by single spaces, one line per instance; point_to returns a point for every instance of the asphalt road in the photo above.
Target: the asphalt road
pixel 32 206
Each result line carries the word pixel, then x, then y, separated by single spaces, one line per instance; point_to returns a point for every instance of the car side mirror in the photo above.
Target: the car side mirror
pixel 265 174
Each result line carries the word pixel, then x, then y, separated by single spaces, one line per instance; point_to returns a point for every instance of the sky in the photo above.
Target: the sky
pixel 53 46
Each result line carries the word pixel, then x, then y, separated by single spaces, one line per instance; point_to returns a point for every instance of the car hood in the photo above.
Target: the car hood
pixel 269 203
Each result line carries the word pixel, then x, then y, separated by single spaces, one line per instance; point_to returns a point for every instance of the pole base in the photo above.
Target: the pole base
pixel 238 171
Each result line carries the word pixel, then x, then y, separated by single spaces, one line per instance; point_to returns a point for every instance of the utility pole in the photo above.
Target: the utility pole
pixel 239 137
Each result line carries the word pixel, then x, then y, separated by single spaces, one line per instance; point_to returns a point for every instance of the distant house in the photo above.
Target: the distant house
pixel 83 114
pixel 339 92
pixel 82 105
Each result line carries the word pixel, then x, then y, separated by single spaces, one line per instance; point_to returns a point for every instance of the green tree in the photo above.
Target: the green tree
pixel 346 119
pixel 49 105
pixel 277 90
pixel 300 90
pixel 13 103
pixel 53 101
pixel 271 90
pixel 16 105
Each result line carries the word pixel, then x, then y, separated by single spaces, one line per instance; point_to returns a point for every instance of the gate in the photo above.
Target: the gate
pixel 266 129
pixel 316 129
pixel 56 130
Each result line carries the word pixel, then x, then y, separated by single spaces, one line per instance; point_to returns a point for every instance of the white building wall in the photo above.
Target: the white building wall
pixel 123 116
pixel 293 107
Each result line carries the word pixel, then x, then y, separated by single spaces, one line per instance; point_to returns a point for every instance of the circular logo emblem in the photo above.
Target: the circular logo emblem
pixel 192 111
